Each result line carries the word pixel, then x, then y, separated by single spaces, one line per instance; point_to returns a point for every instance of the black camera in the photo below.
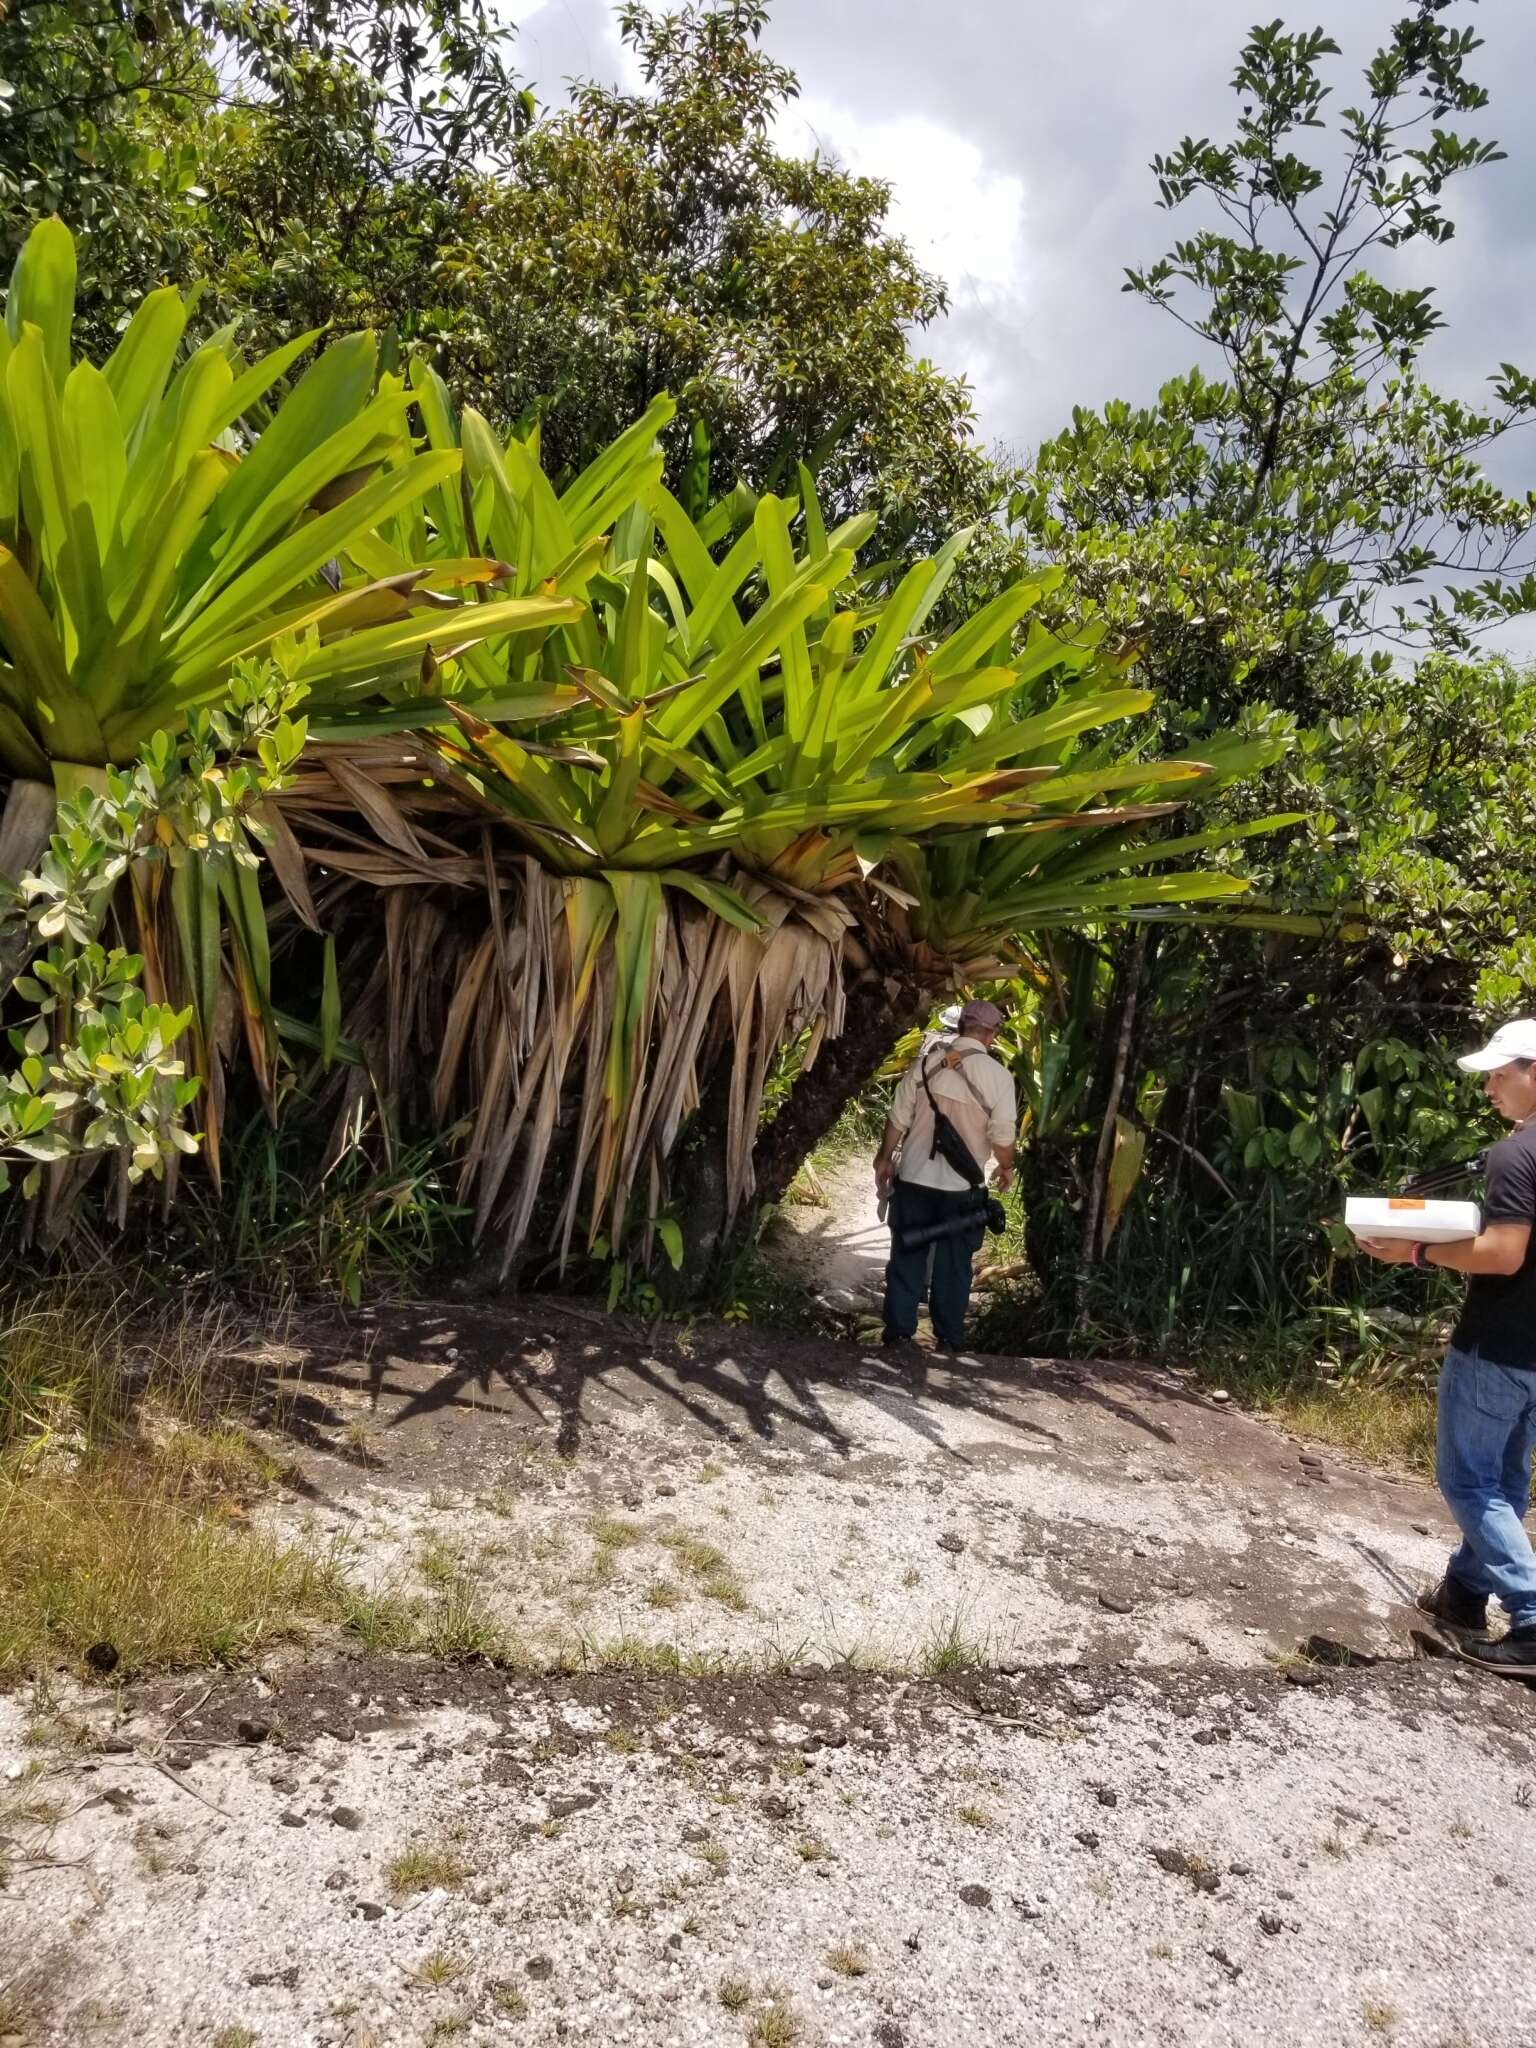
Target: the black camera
pixel 987 1209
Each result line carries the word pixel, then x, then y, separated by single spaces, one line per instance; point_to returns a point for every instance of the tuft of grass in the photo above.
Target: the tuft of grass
pixel 734 1993
pixel 112 1553
pixel 950 1649
pixel 694 1555
pixel 438 1562
pixel 233 2037
pixel 663 1593
pixel 81 1361
pixel 975 1816
pixel 31 1810
pixel 447 2027
pixel 458 1624
pixel 611 1532
pixel 776 2026
pixel 714 1854
pixel 202 1464
pixel 1287 1660
pixel 1390 1424
pixel 1380 2018
pixel 848 1960
pixel 810 1848
pixel 440 1967
pixel 358 1437
pixel 425 1867
pixel 727 1589
pixel 380 1621
pixel 509 2001
pixel 716 1576
pixel 623 1740
pixel 631 1653
pixel 453 1622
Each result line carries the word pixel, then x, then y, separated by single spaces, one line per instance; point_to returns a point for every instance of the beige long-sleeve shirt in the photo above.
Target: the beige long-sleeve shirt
pixel 983 1124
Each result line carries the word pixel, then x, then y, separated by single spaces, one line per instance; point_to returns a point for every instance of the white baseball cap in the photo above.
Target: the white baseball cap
pixel 1515 1040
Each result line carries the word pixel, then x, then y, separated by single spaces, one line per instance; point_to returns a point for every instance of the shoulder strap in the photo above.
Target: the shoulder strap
pixel 955 1061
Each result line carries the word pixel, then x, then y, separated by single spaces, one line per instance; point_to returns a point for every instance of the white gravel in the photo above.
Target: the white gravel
pixel 937 1517
pixel 1142 1562
pixel 1396 1863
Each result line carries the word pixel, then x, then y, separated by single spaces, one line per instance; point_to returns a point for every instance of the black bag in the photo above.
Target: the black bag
pixel 949 1146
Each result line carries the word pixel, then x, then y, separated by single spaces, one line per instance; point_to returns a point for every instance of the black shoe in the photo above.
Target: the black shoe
pixel 1455 1603
pixel 895 1340
pixel 1514 1655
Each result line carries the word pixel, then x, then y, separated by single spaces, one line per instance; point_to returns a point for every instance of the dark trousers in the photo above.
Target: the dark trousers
pixel 907 1272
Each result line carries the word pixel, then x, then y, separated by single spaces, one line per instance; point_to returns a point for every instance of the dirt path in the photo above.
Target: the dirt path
pixel 958 1705
pixel 837 1244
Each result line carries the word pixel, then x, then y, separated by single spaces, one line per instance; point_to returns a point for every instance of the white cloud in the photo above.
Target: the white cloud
pixel 964 220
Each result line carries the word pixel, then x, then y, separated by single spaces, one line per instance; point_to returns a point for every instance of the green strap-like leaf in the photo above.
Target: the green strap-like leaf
pixel 42 294
pixel 138 367
pixel 94 437
pixel 299 556
pixel 53 504
pixel 333 390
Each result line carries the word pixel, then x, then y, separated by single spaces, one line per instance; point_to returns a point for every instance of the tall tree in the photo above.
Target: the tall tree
pixel 349 165
pixel 1282 531
pixel 662 239
pixel 1317 495
pixel 246 141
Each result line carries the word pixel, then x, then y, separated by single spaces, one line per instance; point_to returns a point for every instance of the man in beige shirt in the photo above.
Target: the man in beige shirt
pixel 975 1092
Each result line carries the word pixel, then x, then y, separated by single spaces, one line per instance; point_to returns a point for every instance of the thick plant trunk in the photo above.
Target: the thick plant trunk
pixel 879 1012
pixel 698 1180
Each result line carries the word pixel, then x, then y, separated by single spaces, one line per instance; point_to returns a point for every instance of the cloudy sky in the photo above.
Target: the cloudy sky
pixel 1016 135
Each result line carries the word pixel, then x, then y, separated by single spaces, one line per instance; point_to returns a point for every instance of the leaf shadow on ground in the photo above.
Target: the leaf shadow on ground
pixel 565 1369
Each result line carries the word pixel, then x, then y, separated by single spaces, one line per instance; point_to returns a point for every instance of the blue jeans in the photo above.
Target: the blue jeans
pixel 1486 1433
pixel 908 1273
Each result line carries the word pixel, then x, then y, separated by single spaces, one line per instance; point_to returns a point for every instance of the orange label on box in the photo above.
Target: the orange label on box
pixel 1403 1202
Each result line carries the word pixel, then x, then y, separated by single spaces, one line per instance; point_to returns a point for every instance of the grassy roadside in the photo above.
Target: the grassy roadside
pixel 1388 1425
pixel 126 1477
pixel 1379 1410
pixel 113 1563
pixel 130 1489
pixel 133 1533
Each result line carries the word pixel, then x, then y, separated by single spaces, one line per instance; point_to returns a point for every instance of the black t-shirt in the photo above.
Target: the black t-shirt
pixel 1499 1319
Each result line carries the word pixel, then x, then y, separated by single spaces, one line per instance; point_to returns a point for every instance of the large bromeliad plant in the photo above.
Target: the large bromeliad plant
pixel 166 515
pixel 745 785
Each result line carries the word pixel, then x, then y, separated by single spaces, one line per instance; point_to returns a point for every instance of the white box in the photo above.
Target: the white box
pixel 1408 1216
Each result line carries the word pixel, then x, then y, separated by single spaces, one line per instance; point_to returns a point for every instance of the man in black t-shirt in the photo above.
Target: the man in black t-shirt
pixel 1487 1405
